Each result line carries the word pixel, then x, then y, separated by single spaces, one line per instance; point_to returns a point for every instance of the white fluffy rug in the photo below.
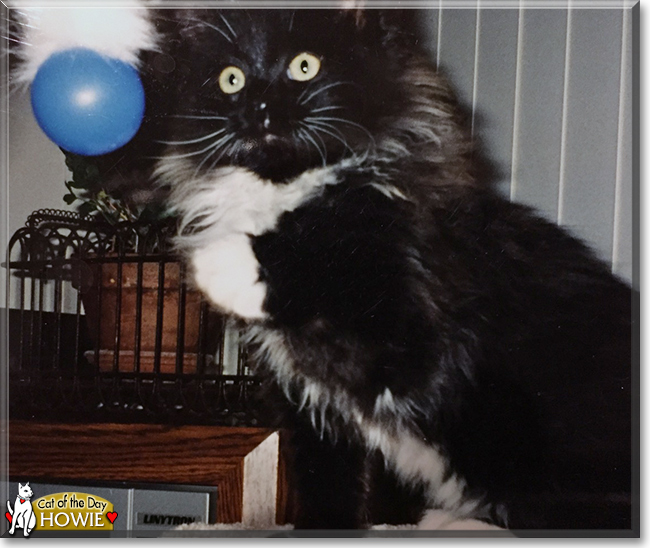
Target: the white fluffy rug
pixel 433 520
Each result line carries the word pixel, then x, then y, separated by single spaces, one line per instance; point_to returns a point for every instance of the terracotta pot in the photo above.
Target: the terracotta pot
pixel 103 316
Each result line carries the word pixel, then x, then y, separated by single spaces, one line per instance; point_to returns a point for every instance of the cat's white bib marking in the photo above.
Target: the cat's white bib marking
pixel 223 209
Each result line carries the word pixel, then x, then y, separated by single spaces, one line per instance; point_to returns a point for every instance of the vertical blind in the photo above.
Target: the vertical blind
pixel 551 96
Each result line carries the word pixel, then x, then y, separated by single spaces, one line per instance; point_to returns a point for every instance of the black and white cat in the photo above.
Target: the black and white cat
pixel 321 173
pixel 414 321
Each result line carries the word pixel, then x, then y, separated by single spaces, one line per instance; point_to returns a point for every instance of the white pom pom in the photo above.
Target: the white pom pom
pixel 115 32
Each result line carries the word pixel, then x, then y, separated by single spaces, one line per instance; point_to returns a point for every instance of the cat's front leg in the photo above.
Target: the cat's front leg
pixel 31 522
pixel 227 272
pixel 343 258
pixel 328 476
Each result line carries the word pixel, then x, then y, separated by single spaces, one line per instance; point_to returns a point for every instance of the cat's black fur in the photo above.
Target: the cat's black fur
pixel 503 341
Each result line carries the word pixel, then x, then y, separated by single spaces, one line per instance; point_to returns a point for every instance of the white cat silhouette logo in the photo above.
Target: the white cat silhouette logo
pixel 22 515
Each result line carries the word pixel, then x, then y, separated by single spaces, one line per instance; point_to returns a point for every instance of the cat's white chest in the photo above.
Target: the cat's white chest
pixel 224 210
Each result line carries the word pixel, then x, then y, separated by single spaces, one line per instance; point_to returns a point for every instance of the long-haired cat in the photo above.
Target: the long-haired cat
pixel 416 324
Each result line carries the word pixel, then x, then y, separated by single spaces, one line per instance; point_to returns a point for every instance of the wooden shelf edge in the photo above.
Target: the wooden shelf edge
pixel 188 455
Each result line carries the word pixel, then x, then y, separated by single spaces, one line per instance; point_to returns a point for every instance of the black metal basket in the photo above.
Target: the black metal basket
pixel 103 327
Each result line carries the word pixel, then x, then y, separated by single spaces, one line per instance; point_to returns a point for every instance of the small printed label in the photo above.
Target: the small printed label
pixel 165 520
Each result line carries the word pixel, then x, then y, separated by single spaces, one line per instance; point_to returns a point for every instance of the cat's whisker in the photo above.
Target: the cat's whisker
pixel 213 27
pixel 232 31
pixel 195 153
pixel 320 123
pixel 304 136
pixel 371 146
pixel 313 131
pixel 343 121
pixel 323 155
pixel 321 90
pixel 333 135
pixel 17 21
pixel 226 150
pixel 308 145
pixel 10 39
pixel 191 141
pixel 302 94
pixel 301 135
pixel 329 128
pixel 217 146
pixel 16 16
pixel 338 137
pixel 297 135
pixel 323 109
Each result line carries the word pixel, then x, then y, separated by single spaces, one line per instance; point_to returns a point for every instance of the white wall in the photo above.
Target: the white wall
pixel 36 170
pixel 36 173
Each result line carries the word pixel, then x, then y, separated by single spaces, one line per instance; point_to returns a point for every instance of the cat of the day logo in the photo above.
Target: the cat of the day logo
pixel 68 511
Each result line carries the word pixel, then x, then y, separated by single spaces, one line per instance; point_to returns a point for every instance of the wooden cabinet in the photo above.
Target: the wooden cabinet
pixel 243 463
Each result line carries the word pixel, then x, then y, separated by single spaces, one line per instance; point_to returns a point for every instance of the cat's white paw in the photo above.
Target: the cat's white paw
pixel 227 272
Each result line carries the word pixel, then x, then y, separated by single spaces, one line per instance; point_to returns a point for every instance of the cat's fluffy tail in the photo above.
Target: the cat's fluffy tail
pixel 11 510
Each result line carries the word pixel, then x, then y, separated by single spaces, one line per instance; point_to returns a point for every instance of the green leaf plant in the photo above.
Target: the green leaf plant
pixel 93 200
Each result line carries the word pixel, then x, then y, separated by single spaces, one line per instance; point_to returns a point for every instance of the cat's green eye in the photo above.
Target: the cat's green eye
pixel 231 80
pixel 304 66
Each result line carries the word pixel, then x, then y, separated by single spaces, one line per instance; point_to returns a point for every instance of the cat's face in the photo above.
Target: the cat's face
pixel 25 491
pixel 276 91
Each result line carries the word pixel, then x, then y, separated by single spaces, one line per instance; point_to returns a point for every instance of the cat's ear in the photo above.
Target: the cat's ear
pixel 388 26
pixel 20 485
pixel 380 24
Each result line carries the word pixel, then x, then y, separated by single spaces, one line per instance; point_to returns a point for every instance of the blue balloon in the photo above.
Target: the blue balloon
pixel 87 103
